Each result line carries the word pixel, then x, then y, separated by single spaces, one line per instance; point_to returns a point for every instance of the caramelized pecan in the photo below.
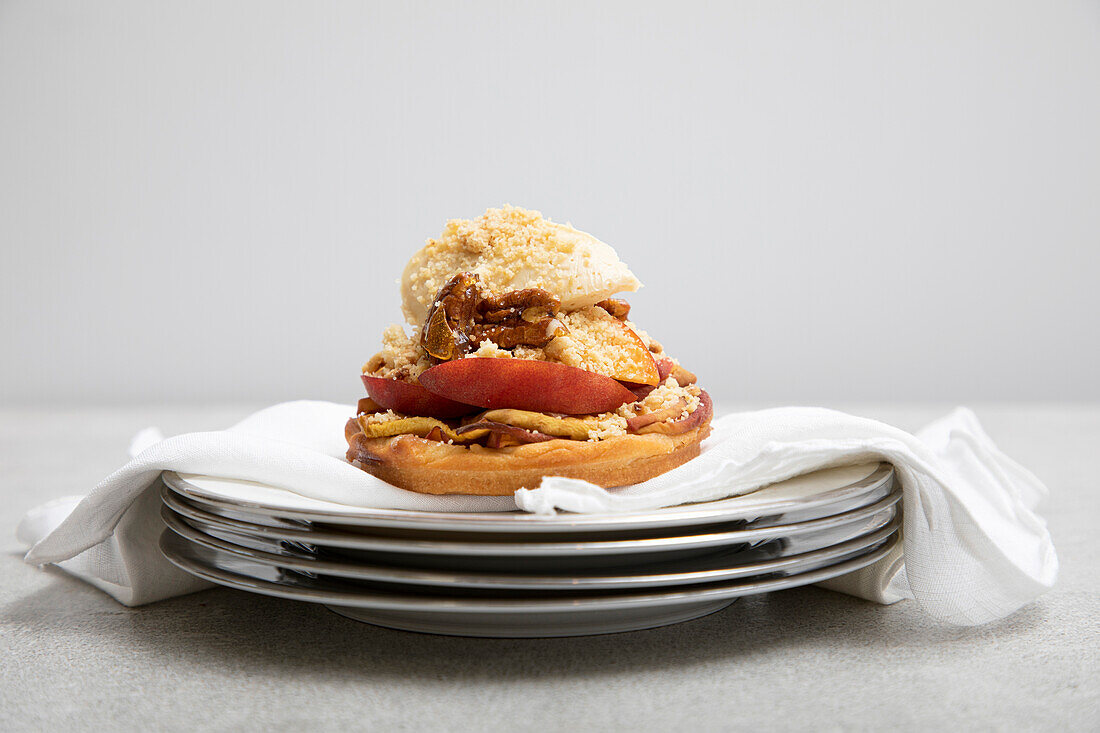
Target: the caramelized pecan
pixel 510 336
pixel 617 308
pixel 520 300
pixel 461 317
pixel 451 317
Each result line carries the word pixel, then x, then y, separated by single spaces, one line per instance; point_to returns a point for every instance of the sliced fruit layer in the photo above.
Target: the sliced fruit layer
pixel 432 429
pixel 413 399
pixel 695 419
pixel 594 340
pixel 525 384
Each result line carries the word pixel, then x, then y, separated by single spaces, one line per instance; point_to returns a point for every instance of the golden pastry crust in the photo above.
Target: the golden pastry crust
pixel 432 467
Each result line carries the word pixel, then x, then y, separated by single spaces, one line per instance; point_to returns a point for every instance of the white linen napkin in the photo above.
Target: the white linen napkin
pixel 974 549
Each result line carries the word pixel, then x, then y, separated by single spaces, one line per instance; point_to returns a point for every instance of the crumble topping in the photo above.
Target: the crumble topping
pixel 401 357
pixel 667 394
pixel 489 350
pixel 594 340
pixel 382 417
pixel 608 425
pixel 530 352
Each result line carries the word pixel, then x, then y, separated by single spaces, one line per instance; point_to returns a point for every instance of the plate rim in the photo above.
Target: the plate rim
pixel 712 512
pixel 543 549
pixel 517 581
pixel 362 598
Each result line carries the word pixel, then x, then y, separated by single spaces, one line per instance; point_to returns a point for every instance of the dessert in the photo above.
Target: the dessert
pixel 517 363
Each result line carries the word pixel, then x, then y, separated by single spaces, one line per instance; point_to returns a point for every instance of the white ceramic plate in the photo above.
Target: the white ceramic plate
pixel 806 497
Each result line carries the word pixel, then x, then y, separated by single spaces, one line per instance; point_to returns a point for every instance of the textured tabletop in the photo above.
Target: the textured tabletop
pixel 73 659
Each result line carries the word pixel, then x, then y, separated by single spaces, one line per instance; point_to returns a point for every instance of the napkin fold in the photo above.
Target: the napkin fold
pixel 974 548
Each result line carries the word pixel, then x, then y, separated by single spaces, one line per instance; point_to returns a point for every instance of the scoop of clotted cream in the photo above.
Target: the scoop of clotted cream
pixel 511 249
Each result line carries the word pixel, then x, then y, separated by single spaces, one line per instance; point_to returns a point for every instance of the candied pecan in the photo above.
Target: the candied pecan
pixel 520 300
pixel 451 317
pixel 461 317
pixel 507 336
pixel 683 376
pixel 618 308
pixel 499 316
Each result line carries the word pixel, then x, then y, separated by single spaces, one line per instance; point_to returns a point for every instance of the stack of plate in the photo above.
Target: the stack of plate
pixel 512 574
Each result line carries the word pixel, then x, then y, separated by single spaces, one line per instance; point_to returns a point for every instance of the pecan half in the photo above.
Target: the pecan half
pixel 461 317
pixel 617 308
pixel 520 300
pixel 451 318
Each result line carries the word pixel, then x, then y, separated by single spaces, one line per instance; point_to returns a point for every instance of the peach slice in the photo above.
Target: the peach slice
pixel 636 423
pixel 413 399
pixel 702 413
pixel 479 429
pixel 639 365
pixel 525 384
pixel 594 340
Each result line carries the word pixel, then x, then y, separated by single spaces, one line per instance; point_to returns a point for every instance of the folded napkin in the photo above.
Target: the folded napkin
pixel 974 549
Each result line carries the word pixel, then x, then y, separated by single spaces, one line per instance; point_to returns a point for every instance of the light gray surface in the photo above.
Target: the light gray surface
pixel 812 176
pixel 804 659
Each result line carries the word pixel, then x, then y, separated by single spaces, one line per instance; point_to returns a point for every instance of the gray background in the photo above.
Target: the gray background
pixel 826 201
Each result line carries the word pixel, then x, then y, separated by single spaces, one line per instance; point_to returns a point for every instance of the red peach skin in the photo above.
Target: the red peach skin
pixel 413 399
pixel 525 384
